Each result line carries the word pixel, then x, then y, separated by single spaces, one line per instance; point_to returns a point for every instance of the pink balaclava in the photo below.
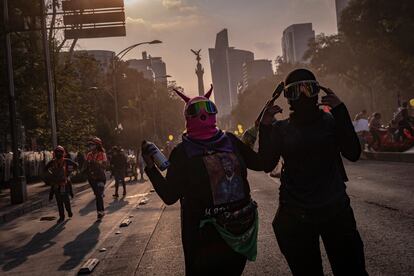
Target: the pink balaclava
pixel 203 126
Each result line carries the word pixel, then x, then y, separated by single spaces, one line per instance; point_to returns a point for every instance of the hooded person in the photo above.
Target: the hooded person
pixel 96 163
pixel 58 171
pixel 313 202
pixel 208 174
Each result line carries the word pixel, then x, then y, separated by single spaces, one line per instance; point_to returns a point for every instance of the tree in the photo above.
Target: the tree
pixel 373 53
pixel 148 108
pixel 252 100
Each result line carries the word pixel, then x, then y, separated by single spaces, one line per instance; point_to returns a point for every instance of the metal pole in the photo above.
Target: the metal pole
pixel 114 86
pixel 153 114
pixel 49 80
pixel 18 189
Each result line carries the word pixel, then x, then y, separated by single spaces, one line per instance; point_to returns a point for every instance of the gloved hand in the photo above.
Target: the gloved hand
pixel 148 150
pixel 270 110
pixel 330 99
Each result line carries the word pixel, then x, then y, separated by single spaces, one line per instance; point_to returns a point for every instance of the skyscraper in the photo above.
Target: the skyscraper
pixel 295 42
pixel 227 71
pixel 254 71
pixel 340 6
pixel 153 68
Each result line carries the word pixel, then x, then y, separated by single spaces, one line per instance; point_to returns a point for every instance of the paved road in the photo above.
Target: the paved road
pixel 381 193
pixel 382 196
pixel 29 246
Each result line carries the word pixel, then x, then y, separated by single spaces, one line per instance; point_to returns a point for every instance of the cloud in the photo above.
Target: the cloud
pixel 179 5
pixel 178 23
pixel 172 4
pixel 137 21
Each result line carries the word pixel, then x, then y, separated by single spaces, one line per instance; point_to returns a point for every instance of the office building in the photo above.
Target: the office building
pixel 153 68
pixel 295 42
pixel 254 71
pixel 227 71
pixel 103 57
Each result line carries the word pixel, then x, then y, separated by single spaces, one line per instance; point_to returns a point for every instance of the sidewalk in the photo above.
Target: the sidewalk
pixel 34 246
pixel 37 197
pixel 407 156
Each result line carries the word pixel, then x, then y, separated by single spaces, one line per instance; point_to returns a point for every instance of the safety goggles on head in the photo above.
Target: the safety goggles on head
pixel 309 88
pixel 195 108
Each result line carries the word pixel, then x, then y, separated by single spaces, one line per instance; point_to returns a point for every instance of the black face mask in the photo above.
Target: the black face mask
pixel 59 155
pixel 304 109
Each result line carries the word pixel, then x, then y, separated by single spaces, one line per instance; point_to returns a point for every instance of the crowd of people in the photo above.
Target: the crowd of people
pixel 207 173
pixel 399 129
pixel 93 165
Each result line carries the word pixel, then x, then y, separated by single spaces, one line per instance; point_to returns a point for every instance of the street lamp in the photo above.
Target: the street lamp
pixel 115 59
pixel 125 51
pixel 162 77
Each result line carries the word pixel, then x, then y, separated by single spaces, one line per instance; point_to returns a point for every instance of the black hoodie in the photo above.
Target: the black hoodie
pixel 313 175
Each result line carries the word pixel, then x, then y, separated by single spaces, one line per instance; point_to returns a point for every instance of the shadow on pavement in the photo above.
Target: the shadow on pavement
pixel 39 242
pixel 90 207
pixel 116 204
pixel 80 247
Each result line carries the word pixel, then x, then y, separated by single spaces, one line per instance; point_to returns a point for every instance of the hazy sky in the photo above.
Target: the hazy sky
pixel 254 25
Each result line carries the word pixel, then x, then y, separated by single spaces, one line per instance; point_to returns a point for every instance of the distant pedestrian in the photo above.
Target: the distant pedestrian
pixel 96 163
pixel 374 129
pixel 80 159
pixel 361 115
pixel 118 169
pixel 313 202
pixel 57 176
pixel 141 165
pixel 208 175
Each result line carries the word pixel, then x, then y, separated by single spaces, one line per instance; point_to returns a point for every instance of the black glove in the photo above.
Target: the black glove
pixel 148 150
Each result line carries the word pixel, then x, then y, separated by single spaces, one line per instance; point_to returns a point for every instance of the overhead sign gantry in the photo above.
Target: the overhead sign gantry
pixel 93 18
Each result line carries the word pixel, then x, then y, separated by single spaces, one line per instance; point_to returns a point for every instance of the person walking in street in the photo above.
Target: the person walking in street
pixel 118 169
pixel 96 163
pixel 140 165
pixel 208 174
pixel 313 202
pixel 57 171
pixel 374 128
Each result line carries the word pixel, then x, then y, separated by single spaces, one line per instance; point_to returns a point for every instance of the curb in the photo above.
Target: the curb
pixel 390 156
pixel 36 204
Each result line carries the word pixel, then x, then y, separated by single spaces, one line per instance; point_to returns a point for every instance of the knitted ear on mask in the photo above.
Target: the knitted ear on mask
pixel 201 126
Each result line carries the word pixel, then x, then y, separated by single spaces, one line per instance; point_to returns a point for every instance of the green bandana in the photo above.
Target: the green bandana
pixel 244 244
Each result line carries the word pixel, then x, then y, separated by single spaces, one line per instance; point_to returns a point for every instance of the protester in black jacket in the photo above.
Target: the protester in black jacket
pixel 57 176
pixel 208 174
pixel 313 201
pixel 118 169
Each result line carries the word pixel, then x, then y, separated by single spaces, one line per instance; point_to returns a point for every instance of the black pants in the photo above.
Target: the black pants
pixel 63 202
pixel 376 139
pixel 212 256
pixel 98 188
pixel 297 233
pixel 119 178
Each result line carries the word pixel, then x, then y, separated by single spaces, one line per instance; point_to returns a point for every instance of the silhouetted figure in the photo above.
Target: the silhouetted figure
pixel 313 202
pixel 118 168
pixel 208 174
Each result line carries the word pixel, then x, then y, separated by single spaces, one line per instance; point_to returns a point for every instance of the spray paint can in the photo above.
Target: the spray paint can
pixel 250 136
pixel 159 158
